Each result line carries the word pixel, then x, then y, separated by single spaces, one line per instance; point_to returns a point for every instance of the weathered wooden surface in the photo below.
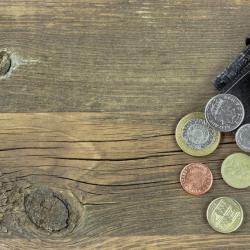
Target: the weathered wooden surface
pixel 119 173
pixel 117 55
pixel 107 178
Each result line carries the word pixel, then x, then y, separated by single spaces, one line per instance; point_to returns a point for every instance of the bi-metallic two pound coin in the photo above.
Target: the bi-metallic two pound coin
pixel 195 137
pixel 224 112
pixel 242 137
pixel 225 215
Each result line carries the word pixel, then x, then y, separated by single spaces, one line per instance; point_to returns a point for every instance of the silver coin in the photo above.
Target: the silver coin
pixel 224 112
pixel 242 137
pixel 197 134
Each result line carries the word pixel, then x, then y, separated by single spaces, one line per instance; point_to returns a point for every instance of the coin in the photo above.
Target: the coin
pixel 224 112
pixel 195 137
pixel 196 178
pixel 235 170
pixel 225 215
pixel 242 137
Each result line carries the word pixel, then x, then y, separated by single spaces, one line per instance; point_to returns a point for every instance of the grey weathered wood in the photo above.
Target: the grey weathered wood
pixel 120 176
pixel 118 55
pixel 138 66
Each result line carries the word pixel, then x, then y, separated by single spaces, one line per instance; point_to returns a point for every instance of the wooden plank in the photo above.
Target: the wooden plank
pixel 110 180
pixel 117 55
pixel 118 177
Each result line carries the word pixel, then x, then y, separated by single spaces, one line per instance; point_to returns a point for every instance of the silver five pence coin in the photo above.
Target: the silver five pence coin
pixel 242 137
pixel 224 112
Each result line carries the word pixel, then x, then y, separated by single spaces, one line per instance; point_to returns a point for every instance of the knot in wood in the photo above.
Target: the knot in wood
pixel 46 210
pixel 5 63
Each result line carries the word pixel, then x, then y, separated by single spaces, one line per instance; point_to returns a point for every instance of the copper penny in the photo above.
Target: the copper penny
pixel 196 178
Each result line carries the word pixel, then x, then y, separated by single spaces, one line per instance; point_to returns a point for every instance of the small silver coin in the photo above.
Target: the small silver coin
pixel 242 137
pixel 224 112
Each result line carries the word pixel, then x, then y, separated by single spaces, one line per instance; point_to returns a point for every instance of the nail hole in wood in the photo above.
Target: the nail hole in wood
pixel 46 210
pixel 5 63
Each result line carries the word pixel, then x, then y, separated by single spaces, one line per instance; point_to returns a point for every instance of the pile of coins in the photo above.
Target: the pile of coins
pixel 198 134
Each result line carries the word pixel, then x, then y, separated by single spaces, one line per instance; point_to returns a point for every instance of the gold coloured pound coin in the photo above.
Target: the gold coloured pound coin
pixel 195 137
pixel 225 215
pixel 235 170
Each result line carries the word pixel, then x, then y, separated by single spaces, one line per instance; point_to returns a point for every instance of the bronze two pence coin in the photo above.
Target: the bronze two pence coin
pixel 196 178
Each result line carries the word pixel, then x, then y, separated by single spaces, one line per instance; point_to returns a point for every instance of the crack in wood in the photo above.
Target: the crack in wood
pixel 169 153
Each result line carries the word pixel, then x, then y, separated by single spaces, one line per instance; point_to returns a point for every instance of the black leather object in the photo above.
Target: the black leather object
pixel 235 79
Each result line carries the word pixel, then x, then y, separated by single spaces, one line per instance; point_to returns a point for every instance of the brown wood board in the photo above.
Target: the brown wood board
pixel 128 70
pixel 117 55
pixel 119 174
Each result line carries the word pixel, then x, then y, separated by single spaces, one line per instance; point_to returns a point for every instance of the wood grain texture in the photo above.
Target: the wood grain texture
pixel 117 55
pixel 135 68
pixel 119 173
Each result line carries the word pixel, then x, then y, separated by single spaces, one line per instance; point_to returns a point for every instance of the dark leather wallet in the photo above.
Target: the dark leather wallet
pixel 235 79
